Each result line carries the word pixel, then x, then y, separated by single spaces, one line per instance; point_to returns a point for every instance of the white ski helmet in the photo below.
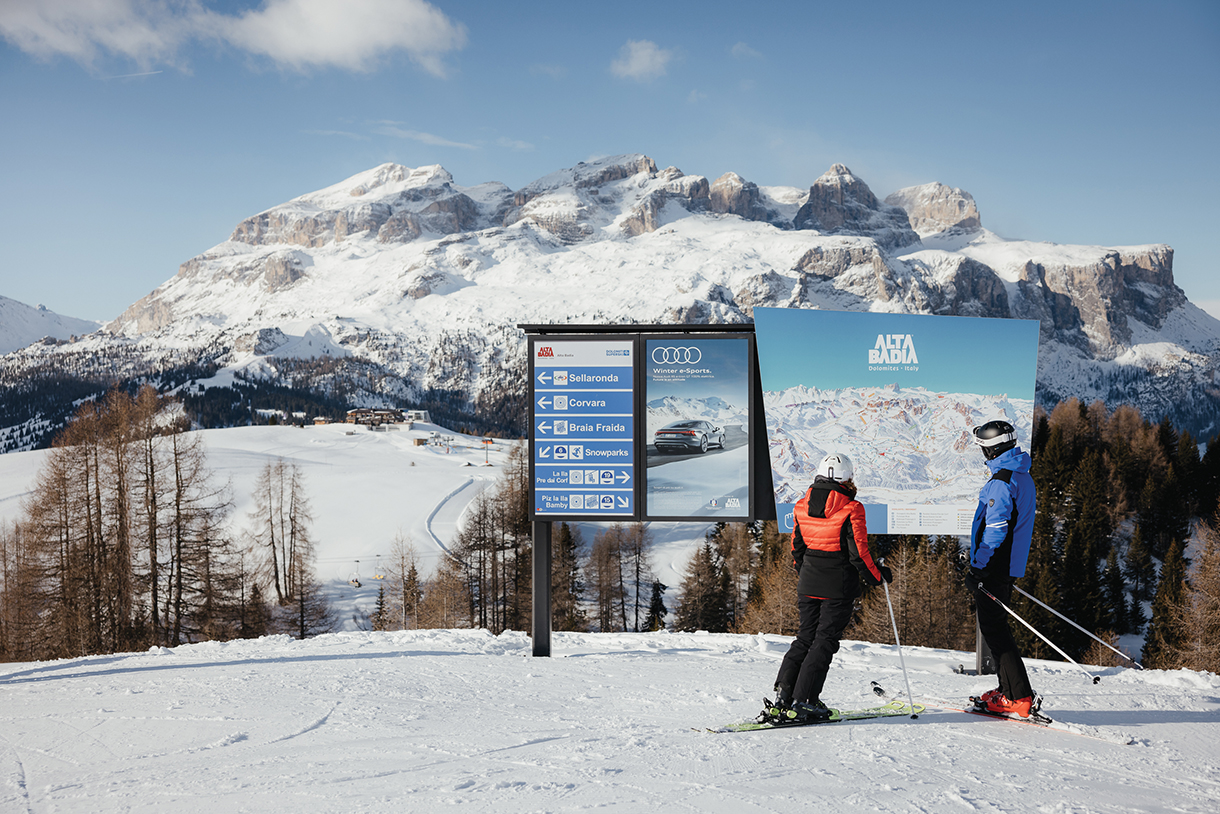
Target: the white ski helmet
pixel 837 467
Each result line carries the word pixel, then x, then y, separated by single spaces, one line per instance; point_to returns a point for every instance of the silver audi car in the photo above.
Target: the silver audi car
pixel 688 435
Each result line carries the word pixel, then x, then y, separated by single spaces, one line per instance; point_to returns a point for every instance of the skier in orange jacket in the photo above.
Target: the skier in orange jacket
pixel 830 553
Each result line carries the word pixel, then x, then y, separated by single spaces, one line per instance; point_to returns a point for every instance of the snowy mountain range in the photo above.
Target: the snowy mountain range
pixel 399 285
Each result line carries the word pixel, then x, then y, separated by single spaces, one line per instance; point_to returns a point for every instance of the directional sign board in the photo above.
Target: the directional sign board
pixel 582 437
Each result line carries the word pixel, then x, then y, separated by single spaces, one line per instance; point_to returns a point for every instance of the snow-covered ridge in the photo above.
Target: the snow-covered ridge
pixel 21 324
pixel 427 279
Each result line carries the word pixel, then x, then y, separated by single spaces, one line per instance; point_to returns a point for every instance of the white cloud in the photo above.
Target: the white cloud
pixel 392 129
pixel 343 133
pixel 743 51
pixel 145 31
pixel 354 35
pixel 514 144
pixel 641 60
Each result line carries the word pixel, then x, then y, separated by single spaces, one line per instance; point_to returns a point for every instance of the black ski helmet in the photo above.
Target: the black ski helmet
pixel 995 438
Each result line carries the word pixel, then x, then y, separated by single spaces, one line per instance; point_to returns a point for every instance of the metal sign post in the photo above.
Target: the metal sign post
pixel 541 589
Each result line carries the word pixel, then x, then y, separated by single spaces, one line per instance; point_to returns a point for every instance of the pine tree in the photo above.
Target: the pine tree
pixel 1188 468
pixel 702 603
pixel 1042 580
pixel 1114 614
pixel 1087 536
pixel 1041 432
pixel 1140 571
pixel 734 545
pixel 656 608
pixel 1165 636
pixel 256 616
pixel 1208 492
pixel 1052 471
pixel 380 619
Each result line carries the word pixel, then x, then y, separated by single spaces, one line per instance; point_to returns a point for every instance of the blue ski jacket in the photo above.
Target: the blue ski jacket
pixel 1003 524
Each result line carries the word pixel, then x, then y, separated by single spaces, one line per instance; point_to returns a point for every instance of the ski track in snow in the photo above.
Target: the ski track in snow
pixel 425 720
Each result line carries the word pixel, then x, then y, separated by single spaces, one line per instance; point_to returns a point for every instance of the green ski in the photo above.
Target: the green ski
pixel 892 709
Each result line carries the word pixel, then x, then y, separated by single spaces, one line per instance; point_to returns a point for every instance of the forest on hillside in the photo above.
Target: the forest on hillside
pixel 126 543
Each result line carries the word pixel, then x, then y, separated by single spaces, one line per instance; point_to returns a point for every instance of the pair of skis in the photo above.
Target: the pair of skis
pixel 898 708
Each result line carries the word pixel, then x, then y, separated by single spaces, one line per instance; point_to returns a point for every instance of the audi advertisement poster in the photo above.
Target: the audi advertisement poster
pixel 899 394
pixel 697 427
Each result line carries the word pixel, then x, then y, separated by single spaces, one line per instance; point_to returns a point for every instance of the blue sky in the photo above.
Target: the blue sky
pixel 829 350
pixel 137 133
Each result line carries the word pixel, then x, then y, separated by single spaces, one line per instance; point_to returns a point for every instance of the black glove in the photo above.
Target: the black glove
pixel 886 574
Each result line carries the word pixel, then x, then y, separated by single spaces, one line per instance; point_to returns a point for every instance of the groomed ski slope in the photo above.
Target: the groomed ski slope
pixel 435 720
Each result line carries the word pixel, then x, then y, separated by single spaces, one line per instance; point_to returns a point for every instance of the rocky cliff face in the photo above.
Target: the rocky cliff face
pixel 841 204
pixel 935 209
pixel 414 285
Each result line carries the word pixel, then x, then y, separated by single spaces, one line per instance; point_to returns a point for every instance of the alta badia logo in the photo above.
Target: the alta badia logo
pixel 893 352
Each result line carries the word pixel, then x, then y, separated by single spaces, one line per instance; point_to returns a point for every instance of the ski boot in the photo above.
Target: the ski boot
pixel 777 711
pixel 798 712
pixel 806 713
pixel 994 702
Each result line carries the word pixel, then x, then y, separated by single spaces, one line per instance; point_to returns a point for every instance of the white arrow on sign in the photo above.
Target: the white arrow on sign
pixel 622 502
pixel 623 477
pixel 543 427
pixel 544 452
pixel 544 403
pixel 544 377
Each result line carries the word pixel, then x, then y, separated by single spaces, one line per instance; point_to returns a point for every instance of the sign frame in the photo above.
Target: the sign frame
pixel 758 470
pixel 750 374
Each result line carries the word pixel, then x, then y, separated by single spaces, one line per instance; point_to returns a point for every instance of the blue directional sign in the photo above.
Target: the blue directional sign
pixel 583 433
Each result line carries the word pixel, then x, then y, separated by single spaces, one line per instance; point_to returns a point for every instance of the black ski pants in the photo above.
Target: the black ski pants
pixel 803 671
pixel 993 624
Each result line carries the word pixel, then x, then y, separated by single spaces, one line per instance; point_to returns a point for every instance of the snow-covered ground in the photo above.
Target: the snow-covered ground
pixel 434 720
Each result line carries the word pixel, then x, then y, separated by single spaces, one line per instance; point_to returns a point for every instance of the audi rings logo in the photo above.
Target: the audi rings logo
pixel 676 356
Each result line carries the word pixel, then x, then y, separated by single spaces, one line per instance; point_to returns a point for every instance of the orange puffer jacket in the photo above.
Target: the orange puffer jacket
pixel 830 543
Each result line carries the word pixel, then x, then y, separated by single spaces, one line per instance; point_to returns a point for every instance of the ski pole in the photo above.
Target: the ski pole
pixel 901 660
pixel 1096 679
pixel 1078 627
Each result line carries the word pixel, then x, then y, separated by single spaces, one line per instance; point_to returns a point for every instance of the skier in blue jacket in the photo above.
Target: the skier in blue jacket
pixel 999 549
